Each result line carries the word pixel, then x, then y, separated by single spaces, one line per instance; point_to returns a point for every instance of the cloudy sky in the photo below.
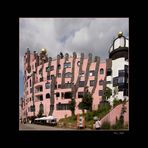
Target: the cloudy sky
pixel 88 35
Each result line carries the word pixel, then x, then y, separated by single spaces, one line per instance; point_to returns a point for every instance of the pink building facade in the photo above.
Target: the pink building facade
pixel 50 83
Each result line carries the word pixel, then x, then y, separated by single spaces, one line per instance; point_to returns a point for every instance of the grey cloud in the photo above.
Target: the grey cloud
pixel 86 35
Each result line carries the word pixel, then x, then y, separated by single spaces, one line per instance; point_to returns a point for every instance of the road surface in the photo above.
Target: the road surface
pixel 39 127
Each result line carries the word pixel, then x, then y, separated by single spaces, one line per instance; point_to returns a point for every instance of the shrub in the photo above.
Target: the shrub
pixel 106 125
pixel 119 124
pixel 116 102
pixel 89 116
pixel 103 109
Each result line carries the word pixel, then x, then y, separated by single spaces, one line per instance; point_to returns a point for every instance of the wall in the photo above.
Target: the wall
pixel 111 116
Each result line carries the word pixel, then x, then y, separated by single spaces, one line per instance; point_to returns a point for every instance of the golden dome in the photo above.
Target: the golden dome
pixel 43 50
pixel 120 34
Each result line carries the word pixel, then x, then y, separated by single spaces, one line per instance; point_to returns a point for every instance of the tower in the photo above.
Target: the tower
pixel 117 68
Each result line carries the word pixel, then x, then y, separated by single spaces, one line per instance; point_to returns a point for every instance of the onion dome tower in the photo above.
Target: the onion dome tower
pixel 117 68
pixel 119 48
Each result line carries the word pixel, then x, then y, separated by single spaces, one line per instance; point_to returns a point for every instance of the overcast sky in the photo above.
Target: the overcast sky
pixel 88 35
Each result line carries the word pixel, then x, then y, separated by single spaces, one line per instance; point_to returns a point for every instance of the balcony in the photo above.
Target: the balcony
pixel 38 90
pixel 39 98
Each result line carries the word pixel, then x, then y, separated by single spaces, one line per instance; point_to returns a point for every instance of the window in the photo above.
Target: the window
pixel 78 63
pixel 67 65
pixel 59 86
pixel 101 71
pixel 81 83
pixel 41 98
pixel 62 94
pixel 68 75
pixel 60 106
pixel 120 79
pixel 48 77
pixel 30 99
pixel 31 90
pixel 92 82
pixel 82 74
pixel 47 69
pixel 67 85
pixel 101 82
pixel 57 94
pixel 55 86
pixel 126 69
pixel 47 95
pixel 47 85
pixel 40 71
pixel 59 66
pixel 121 87
pixel 41 89
pixel 125 93
pixel 109 72
pixel 68 95
pixel 108 82
pixel 100 92
pixel 30 82
pixel 80 94
pixel 32 108
pixel 51 68
pixel 92 73
pixel 27 84
pixel 41 79
pixel 52 76
pixel 121 73
pixel 115 81
pixel 59 75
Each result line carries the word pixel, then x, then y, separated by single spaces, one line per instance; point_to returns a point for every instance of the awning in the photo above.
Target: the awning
pixel 50 118
pixel 37 119
pixel 46 118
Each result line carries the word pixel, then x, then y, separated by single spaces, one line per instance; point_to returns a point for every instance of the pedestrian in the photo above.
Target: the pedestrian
pixel 97 124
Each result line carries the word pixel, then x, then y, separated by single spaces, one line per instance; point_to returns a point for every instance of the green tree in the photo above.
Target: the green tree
pixel 41 110
pixel 107 93
pixel 86 102
pixel 40 114
pixel 72 106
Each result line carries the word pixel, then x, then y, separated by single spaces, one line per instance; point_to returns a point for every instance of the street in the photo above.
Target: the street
pixel 39 127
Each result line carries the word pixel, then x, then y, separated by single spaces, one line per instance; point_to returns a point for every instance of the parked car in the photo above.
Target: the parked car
pixel 52 122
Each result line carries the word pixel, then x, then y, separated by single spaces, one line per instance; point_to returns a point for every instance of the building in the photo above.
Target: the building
pixel 50 83
pixel 117 68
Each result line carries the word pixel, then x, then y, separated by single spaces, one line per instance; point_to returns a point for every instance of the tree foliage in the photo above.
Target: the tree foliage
pixel 86 102
pixel 72 105
pixel 107 93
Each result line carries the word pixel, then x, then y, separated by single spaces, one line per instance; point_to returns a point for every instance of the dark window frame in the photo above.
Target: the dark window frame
pixel 101 71
pixel 101 82
pixel 57 94
pixel 47 95
pixel 81 83
pixel 80 94
pixel 92 72
pixel 68 75
pixel 101 93
pixel 92 82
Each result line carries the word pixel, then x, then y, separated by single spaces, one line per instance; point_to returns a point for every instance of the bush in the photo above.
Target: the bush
pixel 103 109
pixel 126 126
pixel 89 124
pixel 119 124
pixel 106 125
pixel 89 116
pixel 116 102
